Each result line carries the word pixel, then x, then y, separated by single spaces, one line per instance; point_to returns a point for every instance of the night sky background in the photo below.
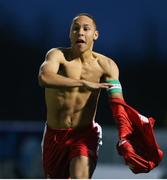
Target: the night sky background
pixel 132 32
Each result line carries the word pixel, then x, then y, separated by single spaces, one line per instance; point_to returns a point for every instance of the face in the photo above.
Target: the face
pixel 83 33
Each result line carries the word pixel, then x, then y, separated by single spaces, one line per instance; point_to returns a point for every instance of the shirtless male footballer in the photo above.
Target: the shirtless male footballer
pixel 72 78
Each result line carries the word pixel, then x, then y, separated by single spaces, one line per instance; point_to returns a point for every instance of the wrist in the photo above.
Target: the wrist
pixel 82 82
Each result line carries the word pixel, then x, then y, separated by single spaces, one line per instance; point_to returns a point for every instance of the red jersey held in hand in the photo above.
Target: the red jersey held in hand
pixel 137 142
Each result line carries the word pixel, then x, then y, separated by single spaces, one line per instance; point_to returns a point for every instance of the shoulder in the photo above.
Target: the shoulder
pixel 55 53
pixel 106 63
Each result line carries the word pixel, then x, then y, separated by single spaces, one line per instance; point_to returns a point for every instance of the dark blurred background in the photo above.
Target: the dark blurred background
pixel 133 33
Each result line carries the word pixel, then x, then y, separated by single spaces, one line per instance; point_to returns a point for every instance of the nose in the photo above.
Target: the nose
pixel 81 32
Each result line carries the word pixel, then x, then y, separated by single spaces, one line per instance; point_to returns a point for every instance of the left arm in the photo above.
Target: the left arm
pixel 112 77
pixel 115 91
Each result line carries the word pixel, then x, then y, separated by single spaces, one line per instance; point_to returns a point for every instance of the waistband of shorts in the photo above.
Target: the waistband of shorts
pixel 63 130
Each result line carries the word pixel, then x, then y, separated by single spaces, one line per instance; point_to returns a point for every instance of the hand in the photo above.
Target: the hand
pixel 94 86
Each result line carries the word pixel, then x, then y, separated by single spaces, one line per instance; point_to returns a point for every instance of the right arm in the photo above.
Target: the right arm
pixel 48 74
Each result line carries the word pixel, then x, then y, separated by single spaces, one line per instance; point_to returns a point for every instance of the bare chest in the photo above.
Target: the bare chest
pixel 88 71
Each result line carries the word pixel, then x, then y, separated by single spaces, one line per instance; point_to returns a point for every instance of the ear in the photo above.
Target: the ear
pixel 96 35
pixel 69 33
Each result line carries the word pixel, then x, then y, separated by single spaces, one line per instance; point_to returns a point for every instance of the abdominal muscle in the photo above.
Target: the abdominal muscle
pixel 70 108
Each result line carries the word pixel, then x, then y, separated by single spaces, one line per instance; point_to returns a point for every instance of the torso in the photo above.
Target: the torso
pixel 74 107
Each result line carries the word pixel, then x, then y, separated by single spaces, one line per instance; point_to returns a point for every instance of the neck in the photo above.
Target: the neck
pixel 84 56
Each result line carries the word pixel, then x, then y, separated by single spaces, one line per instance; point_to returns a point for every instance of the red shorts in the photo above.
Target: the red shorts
pixel 59 146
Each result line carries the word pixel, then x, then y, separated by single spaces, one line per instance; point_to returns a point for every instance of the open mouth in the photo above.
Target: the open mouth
pixel 80 41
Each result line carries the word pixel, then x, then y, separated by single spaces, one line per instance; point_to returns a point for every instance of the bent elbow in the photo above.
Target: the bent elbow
pixel 41 81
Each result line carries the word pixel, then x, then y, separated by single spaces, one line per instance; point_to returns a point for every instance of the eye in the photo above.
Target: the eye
pixel 75 28
pixel 86 28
